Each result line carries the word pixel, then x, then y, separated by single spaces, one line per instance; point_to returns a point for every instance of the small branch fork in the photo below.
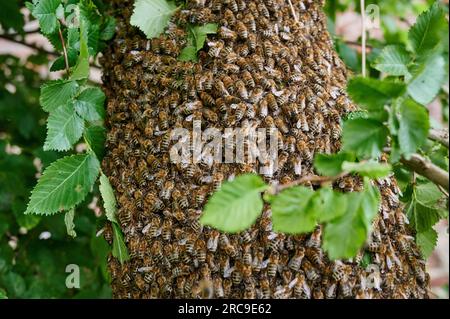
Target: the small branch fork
pixel 313 179
pixel 63 43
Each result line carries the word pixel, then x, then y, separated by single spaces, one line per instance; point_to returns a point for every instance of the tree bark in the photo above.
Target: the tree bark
pixel 264 69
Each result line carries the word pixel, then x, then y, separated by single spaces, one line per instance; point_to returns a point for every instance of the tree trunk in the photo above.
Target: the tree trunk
pixel 271 47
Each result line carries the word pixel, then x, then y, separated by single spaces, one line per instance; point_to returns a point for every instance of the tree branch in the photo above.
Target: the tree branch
pixel 427 169
pixel 29 45
pixel 440 136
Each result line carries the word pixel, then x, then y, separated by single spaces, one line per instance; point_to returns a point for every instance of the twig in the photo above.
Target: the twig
pixel 443 191
pixel 427 169
pixel 313 179
pixel 63 43
pixel 364 34
pixel 440 136
pixel 293 11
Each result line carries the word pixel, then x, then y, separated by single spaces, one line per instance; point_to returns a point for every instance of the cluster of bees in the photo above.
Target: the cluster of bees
pixel 262 69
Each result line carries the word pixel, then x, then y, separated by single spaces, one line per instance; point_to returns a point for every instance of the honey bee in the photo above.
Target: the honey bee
pixel 301 288
pixel 226 33
pixel 265 288
pixel 241 30
pixel 310 271
pixel 296 261
pixel 218 287
pixel 272 267
pixel 215 48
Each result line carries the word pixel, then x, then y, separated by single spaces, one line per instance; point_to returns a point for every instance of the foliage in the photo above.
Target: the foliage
pixel 29 266
pixel 76 110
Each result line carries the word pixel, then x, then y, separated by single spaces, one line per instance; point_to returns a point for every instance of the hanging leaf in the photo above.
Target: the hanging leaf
pixel 365 137
pixel 152 16
pixel 236 206
pixel 109 200
pixel 81 69
pixel 344 236
pixel 64 184
pixel 64 129
pixel 328 204
pixel 70 225
pixel 427 242
pixel 291 211
pixel 414 126
pixel 119 249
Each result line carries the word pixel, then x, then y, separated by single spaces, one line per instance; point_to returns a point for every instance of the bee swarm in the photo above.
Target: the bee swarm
pixel 261 69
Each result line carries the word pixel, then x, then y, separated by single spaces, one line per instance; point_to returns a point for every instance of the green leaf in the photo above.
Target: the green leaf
pixel 393 60
pixel 81 69
pixel 95 137
pixel 3 294
pixel 369 169
pixel 236 206
pixel 421 216
pixel 57 93
pixel 70 225
pixel 90 104
pixel 428 194
pixel 370 203
pixel 290 211
pixel 65 128
pixel 188 53
pixel 119 249
pixel 414 127
pixel 365 137
pixel 60 63
pixel 331 165
pixel 372 93
pixel 152 16
pixel 196 40
pixel 328 204
pixel 428 77
pixel 109 29
pixel 428 31
pixel 64 184
pixel 109 200
pixel 344 236
pixel 200 33
pixel 45 12
pixel 427 242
